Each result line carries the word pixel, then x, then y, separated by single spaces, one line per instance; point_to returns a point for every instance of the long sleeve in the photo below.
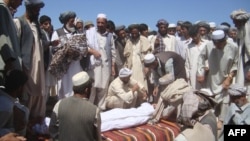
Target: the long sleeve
pixel 201 62
pixel 119 91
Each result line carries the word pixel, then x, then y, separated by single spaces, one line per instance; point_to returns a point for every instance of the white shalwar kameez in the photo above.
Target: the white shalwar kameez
pixel 192 54
pixel 65 84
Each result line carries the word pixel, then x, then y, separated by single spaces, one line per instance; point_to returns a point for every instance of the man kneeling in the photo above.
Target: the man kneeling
pixel 125 92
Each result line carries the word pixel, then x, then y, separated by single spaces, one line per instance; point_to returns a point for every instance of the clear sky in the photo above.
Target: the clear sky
pixel 144 11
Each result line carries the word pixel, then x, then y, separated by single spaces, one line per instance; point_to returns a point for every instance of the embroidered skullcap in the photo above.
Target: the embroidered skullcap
pixel 44 18
pixel 125 72
pixel 80 78
pixel 218 34
pixel 212 24
pixel 236 90
pixel 64 17
pixel 39 3
pixel 119 27
pixel 240 15
pixel 101 15
pixel 172 25
pixel 161 21
pixel 149 58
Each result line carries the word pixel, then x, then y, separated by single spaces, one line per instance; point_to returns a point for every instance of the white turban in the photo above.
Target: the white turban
pixel 125 72
pixel 236 90
pixel 240 15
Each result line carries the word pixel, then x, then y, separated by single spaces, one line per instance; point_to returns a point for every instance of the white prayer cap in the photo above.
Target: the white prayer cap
pixel 218 35
pixel 212 24
pixel 125 72
pixel 172 25
pixel 101 15
pixel 236 90
pixel 80 78
pixel 149 58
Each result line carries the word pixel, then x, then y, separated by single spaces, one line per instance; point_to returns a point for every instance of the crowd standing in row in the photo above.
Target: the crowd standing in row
pixel 206 64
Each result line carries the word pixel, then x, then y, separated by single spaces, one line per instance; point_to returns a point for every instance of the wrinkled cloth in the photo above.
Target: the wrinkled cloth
pixel 124 118
pixel 178 87
pixel 66 54
pixel 189 106
pixel 172 95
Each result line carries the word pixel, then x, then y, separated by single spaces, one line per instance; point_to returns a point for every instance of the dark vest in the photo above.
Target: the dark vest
pixel 26 42
pixel 178 62
pixel 76 120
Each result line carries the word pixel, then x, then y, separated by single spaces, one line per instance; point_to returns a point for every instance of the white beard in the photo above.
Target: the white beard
pixel 71 29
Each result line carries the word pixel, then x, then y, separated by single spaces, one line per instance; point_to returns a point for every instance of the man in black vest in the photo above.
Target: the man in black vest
pixel 168 64
pixel 79 119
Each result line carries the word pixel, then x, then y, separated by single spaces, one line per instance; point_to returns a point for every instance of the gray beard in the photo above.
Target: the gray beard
pixel 71 29
pixel 241 33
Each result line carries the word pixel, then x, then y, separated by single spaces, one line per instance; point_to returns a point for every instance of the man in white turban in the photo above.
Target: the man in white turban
pixel 241 21
pixel 124 91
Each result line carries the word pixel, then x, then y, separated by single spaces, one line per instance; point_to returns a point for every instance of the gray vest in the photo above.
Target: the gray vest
pixel 26 41
pixel 76 120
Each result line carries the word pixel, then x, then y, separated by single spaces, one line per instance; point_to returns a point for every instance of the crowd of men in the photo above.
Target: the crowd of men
pixel 199 70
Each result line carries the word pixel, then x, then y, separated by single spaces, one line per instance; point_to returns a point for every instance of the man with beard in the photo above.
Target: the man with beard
pixel 103 66
pixel 241 21
pixel 67 31
pixel 124 91
pixel 120 43
pixel 163 41
pixel 79 119
pixel 32 57
pixel 10 49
